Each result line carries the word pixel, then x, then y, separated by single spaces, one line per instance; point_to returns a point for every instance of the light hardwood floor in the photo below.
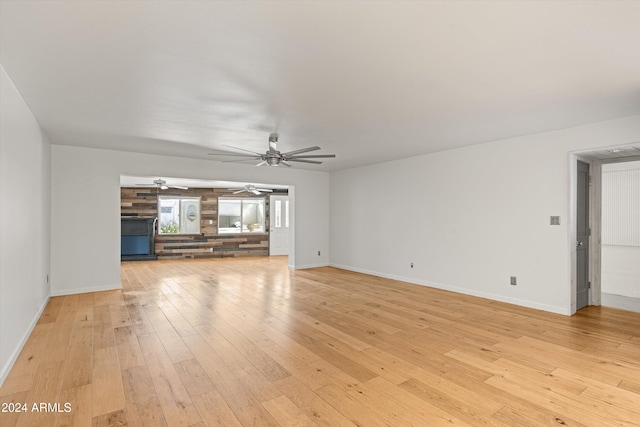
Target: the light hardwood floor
pixel 246 342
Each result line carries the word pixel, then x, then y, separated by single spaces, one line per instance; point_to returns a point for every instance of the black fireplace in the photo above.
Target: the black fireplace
pixel 137 238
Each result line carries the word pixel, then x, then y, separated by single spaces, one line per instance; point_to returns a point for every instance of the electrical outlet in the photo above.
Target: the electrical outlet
pixel 411 265
pixel 514 281
pixel 554 220
pixel 318 253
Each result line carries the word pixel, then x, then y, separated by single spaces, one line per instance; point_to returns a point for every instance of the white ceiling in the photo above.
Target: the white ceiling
pixel 368 81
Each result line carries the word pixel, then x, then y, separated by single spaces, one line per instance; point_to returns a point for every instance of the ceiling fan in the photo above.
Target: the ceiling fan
pixel 161 184
pixel 250 188
pixel 273 157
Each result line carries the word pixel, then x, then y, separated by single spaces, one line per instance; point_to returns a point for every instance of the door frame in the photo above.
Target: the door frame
pixel 595 222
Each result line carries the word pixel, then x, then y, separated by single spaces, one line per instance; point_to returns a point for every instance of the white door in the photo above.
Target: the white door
pixel 279 225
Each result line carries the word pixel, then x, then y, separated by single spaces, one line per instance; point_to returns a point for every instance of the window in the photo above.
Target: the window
pixel 240 215
pixel 278 223
pixel 178 215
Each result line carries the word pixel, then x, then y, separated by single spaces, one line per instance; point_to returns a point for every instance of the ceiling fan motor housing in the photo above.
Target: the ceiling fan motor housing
pixel 273 159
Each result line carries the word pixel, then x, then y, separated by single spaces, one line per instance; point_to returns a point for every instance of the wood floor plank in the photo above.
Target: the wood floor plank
pixel 241 401
pixel 176 404
pixel 214 410
pixel 78 367
pixel 478 411
pixel 311 376
pixel 21 376
pixel 311 404
pixel 129 352
pixel 11 417
pixel 193 377
pixel 143 406
pixel 51 311
pixel 425 410
pixel 355 411
pixel 107 382
pixel 45 389
pixel 112 419
pixel 573 406
pixel 103 335
pixel 287 413
pixel 80 400
pixel 140 321
pixel 119 315
pixel 170 339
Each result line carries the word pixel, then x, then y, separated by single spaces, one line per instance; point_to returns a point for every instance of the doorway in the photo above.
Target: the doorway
pixel 279 225
pixel 591 207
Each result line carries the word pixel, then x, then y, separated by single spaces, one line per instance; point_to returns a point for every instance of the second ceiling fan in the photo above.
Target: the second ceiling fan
pixel 273 157
pixel 250 188
pixel 161 184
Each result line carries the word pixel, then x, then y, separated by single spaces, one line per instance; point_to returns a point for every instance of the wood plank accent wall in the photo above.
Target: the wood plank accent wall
pixel 207 244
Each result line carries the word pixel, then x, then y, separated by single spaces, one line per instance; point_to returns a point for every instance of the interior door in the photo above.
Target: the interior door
pixel 582 237
pixel 279 225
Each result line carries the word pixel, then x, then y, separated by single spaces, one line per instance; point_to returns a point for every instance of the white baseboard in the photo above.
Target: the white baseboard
pixel 7 367
pixel 302 267
pixel 459 290
pixel 620 301
pixel 61 292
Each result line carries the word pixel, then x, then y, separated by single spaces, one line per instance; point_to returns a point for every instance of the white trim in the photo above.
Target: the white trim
pixel 621 302
pixel 302 267
pixel 86 290
pixel 465 291
pixel 7 367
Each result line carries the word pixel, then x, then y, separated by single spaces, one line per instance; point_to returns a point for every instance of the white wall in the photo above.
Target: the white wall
pixel 24 222
pixel 621 270
pixel 621 263
pixel 85 209
pixel 470 218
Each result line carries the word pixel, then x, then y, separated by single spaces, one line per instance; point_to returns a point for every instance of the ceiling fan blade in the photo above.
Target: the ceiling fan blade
pixel 242 149
pixel 304 161
pixel 240 191
pixel 264 162
pixel 284 162
pixel 243 160
pixel 256 192
pixel 179 187
pixel 300 151
pixel 258 156
pixel 265 190
pixel 314 156
pixel 145 185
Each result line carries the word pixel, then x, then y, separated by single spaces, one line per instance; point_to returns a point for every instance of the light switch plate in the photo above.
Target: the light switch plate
pixel 555 220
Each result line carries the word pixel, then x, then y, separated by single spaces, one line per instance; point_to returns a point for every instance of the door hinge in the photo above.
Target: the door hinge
pixel 588 285
pixel 589 231
pixel 589 179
